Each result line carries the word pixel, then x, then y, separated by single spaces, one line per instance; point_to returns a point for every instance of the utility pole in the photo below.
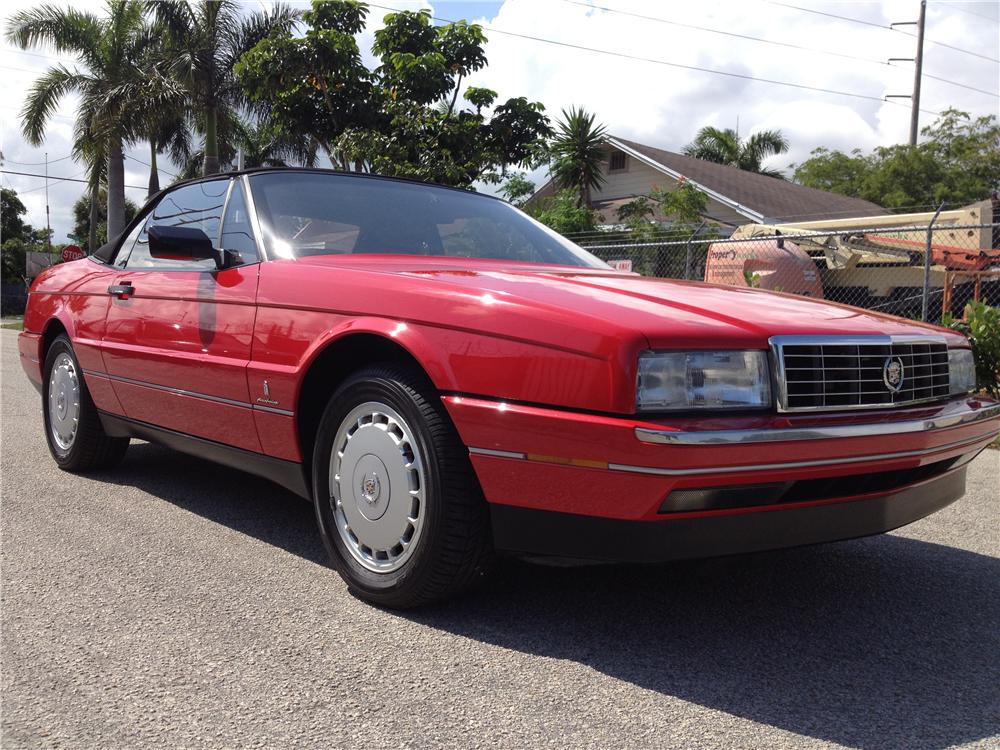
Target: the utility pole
pixel 48 225
pixel 918 65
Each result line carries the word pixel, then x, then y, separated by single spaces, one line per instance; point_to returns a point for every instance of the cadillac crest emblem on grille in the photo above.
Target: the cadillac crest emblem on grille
pixel 892 374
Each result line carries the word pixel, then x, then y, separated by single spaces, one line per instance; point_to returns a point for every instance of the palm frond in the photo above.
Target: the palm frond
pixel 761 145
pixel 44 96
pixel 65 31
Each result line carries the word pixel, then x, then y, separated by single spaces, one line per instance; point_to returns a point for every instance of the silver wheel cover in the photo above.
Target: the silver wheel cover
pixel 64 402
pixel 377 486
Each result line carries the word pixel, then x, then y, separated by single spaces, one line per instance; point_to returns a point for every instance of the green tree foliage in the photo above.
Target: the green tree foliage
pixel 685 204
pixel 407 117
pixel 18 237
pixel 14 234
pixel 82 216
pixel 563 213
pixel 11 211
pixel 725 147
pixel 577 153
pixel 982 325
pixel 683 207
pixel 114 91
pixel 957 162
pixel 517 189
pixel 204 41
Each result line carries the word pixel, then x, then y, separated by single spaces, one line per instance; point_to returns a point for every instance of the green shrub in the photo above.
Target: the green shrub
pixel 982 326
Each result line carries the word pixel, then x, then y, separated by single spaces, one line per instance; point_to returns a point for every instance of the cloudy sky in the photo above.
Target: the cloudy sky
pixel 634 63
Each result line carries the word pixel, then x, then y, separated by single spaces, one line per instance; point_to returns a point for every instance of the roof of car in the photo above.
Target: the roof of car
pixel 317 170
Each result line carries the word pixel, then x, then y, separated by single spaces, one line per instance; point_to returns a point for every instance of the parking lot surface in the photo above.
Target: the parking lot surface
pixel 175 603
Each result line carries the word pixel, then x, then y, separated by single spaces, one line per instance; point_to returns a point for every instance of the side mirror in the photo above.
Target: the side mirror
pixel 181 244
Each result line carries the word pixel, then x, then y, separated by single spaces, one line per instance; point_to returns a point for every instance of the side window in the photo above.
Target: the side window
pixel 236 231
pixel 198 205
pixel 126 247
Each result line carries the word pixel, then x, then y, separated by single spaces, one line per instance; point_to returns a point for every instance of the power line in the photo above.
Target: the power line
pixel 961 85
pixel 682 66
pixel 147 164
pixel 58 179
pixel 70 60
pixel 954 6
pixel 725 33
pixel 880 26
pixel 788 45
pixel 34 163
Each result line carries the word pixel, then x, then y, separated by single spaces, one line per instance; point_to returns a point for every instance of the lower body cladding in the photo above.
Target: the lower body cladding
pixel 607 488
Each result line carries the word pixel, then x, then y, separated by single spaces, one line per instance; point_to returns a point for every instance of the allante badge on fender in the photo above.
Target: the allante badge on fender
pixel 266 398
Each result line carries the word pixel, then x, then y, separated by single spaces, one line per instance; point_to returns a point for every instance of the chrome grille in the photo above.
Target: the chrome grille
pixel 831 373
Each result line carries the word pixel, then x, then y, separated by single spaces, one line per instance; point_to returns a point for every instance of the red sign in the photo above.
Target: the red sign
pixel 72 252
pixel 624 264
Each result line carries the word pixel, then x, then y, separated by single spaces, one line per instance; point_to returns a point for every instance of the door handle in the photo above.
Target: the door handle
pixel 122 291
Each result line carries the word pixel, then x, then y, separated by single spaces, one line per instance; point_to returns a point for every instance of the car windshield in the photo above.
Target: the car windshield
pixel 316 213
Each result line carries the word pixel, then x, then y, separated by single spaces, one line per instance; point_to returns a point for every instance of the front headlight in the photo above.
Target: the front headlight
pixel 961 371
pixel 670 381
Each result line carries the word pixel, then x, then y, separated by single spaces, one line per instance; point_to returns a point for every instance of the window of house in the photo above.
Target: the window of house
pixel 618 161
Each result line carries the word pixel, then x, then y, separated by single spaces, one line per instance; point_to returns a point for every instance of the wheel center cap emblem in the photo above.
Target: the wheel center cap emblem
pixel 892 374
pixel 371 488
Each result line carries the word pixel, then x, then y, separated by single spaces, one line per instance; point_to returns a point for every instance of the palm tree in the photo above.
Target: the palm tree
pixel 725 147
pixel 264 145
pixel 90 150
pixel 108 80
pixel 578 153
pixel 205 40
pixel 167 131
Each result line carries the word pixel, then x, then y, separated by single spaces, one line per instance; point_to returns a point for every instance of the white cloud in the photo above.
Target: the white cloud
pixel 655 104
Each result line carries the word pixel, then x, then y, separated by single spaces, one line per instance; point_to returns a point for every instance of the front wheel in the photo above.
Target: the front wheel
pixel 398 505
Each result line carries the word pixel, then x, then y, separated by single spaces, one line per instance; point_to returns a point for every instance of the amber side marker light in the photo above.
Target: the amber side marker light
pixel 582 462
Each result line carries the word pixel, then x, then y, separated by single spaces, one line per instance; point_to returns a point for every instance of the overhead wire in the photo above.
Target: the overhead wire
pixel 60 179
pixel 761 40
pixel 863 22
pixel 35 163
pixel 640 58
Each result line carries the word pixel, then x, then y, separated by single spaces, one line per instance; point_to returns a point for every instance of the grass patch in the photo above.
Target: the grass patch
pixel 12 325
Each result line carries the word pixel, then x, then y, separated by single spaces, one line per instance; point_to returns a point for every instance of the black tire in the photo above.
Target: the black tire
pixel 454 548
pixel 91 448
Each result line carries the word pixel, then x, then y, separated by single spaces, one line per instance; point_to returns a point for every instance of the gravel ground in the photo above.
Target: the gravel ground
pixel 174 603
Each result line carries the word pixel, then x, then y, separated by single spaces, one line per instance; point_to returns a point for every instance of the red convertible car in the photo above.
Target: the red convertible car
pixel 444 378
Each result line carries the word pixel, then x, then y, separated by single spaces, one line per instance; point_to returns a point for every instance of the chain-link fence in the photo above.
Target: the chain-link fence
pixel 912 271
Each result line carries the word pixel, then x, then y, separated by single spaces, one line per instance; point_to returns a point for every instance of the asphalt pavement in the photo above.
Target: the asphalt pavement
pixel 175 603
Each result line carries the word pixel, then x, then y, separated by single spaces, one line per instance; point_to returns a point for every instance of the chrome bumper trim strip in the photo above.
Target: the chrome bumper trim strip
pixel 193 394
pixel 799 464
pixel 759 467
pixel 497 454
pixel 782 434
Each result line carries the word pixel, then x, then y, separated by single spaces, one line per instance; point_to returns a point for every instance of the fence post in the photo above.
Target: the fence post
pixel 687 251
pixel 927 264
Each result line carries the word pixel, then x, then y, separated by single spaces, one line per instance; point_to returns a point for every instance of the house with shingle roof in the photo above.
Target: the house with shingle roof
pixel 736 197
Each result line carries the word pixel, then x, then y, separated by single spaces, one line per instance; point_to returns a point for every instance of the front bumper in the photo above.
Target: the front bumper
pixel 624 469
pixel 528 531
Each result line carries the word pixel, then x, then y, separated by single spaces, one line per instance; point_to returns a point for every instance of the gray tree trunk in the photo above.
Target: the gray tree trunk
pixel 154 174
pixel 116 188
pixel 95 216
pixel 211 163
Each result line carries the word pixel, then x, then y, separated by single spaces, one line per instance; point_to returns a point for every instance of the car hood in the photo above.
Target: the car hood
pixel 667 312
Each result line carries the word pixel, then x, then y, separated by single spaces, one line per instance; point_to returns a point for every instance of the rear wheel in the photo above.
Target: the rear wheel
pixel 399 507
pixel 73 430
